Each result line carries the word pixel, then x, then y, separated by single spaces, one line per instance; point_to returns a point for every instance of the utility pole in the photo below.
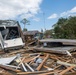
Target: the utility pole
pixel 44 21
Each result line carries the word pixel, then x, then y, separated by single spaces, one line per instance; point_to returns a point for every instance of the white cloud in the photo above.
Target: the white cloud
pixel 72 15
pixel 24 8
pixel 71 12
pixel 63 14
pixel 36 19
pixel 53 16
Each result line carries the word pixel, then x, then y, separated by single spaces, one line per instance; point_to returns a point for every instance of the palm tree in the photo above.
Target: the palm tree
pixel 25 22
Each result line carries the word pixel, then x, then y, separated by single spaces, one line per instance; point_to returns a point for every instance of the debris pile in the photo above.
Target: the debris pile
pixel 60 46
pixel 26 62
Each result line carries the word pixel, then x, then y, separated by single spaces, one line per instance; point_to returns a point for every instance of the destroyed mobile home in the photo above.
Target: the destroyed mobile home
pixel 10 34
pixel 48 57
pixel 60 46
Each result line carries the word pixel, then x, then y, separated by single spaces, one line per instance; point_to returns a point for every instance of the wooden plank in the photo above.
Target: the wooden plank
pixel 50 73
pixel 31 42
pixel 32 60
pixel 66 70
pixel 65 63
pixel 29 67
pixel 20 51
pixel 8 68
pixel 61 65
pixel 36 72
pixel 5 73
pixel 59 50
pixel 74 73
pixel 40 66
pixel 48 68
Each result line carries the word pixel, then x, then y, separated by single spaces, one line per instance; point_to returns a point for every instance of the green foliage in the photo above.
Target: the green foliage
pixel 24 29
pixel 25 22
pixel 48 33
pixel 65 28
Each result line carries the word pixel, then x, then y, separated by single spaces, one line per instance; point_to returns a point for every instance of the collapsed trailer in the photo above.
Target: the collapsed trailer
pixel 59 46
pixel 11 36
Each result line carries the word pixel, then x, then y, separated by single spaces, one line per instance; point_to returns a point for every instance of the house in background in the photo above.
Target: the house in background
pixel 32 35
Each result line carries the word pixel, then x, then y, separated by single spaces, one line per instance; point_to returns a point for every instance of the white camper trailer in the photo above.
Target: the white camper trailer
pixel 10 35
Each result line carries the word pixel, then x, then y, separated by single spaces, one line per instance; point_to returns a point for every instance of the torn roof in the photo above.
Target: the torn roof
pixel 30 32
pixel 8 23
pixel 59 40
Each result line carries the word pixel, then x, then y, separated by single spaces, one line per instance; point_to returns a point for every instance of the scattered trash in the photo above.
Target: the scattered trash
pixel 38 61
pixel 6 61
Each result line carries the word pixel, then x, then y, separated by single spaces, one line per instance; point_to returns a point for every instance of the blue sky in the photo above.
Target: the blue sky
pixel 50 7
pixel 33 11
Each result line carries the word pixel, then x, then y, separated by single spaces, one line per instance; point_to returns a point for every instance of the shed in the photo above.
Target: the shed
pixel 32 35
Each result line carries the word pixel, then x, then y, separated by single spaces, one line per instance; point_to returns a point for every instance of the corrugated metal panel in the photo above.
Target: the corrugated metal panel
pixel 64 41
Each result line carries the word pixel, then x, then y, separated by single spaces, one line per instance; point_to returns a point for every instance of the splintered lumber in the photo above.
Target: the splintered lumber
pixel 20 51
pixel 50 73
pixel 23 65
pixel 40 66
pixel 1 52
pixel 23 59
pixel 65 63
pixel 35 57
pixel 8 68
pixel 32 60
pixel 26 60
pixel 68 53
pixel 34 54
pixel 35 72
pixel 21 62
pixel 16 67
pixel 29 67
pixel 74 73
pixel 17 51
pixel 66 70
pixel 48 68
pixel 31 42
pixel 5 73
pixel 60 65
pixel 58 50
pixel 54 57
